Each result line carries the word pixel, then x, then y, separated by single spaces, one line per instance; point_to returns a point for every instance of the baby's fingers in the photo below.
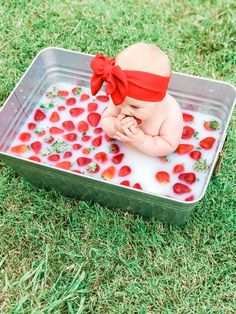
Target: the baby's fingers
pixel 121 137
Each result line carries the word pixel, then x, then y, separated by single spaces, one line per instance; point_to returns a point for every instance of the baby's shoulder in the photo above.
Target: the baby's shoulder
pixel 171 105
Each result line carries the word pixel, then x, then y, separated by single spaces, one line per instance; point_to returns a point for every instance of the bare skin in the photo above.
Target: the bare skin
pixel 162 124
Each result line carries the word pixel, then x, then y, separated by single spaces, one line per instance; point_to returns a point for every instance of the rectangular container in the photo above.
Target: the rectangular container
pixel 53 65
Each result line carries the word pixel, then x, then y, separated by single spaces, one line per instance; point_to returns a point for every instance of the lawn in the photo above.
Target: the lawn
pixel 59 255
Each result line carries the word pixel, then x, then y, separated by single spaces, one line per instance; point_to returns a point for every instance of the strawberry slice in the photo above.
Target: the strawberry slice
pixel 184 149
pixel 25 137
pixel 92 106
pixel 188 117
pixel 139 121
pixel 31 126
pixel 84 97
pixel 102 98
pixel 207 143
pixel 180 188
pixel 93 168
pixel 68 125
pixel 54 157
pixel 77 171
pixel 85 138
pixel 125 182
pixel 19 149
pixel 97 141
pixel 40 133
pixel 212 125
pixel 61 108
pixel 101 157
pixel 36 147
pixel 70 137
pixel 76 90
pixel 55 130
pixel 164 159
pixel 97 130
pixel 83 126
pixel 54 117
pixel 188 177
pixel 124 171
pixel 114 149
pixel 75 112
pixel 76 146
pixel 137 186
pixel 49 140
pixel 83 161
pixel 162 177
pixel 64 165
pixel 195 154
pixel 187 132
pixel 190 198
pixel 94 118
pixel 39 115
pixel 178 168
pixel 117 159
pixel 62 93
pixel 109 173
pixel 35 158
pixel 108 138
pixel 67 155
pixel 86 150
pixel 70 101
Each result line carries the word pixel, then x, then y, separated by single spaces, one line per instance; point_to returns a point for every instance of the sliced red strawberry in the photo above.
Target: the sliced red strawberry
pixel 31 126
pixel 188 177
pixel 101 157
pixel 108 138
pixel 125 182
pixel 97 130
pixel 77 171
pixel 83 161
pixel 54 117
pixel 93 168
pixel 70 137
pixel 64 165
pixel 102 98
pixel 207 142
pixel 188 132
pixel 36 147
pixel 180 188
pixel 62 93
pixel 109 173
pixel 76 90
pixel 39 115
pixel 75 112
pixel 162 177
pixel 164 159
pixel 84 97
pixel 68 125
pixel 124 171
pixel 97 141
pixel 25 137
pixel 61 108
pixel 92 106
pixel 55 130
pixel 195 154
pixel 212 125
pixel 86 150
pixel 83 126
pixel 67 155
pixel 190 198
pixel 114 149
pixel 94 118
pixel 70 101
pixel 35 158
pixel 49 140
pixel 137 186
pixel 85 138
pixel 188 117
pixel 54 157
pixel 40 133
pixel 184 149
pixel 178 168
pixel 139 121
pixel 117 159
pixel 19 149
pixel 76 146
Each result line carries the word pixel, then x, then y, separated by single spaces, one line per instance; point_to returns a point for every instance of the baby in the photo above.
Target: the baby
pixel 142 115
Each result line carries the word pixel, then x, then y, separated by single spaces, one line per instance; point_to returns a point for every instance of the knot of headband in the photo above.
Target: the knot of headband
pixel 121 83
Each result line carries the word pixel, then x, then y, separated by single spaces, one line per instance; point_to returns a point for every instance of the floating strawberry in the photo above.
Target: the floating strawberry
pixel 207 143
pixel 85 138
pixel 62 93
pixel 92 106
pixel 67 155
pixel 212 125
pixel 55 130
pixel 101 157
pixel 188 117
pixel 40 133
pixel 162 177
pixel 64 165
pixel 188 132
pixel 184 149
pixel 139 121
pixel 54 157
pixel 124 171
pixel 70 137
pixel 114 149
pixel 109 173
pixel 137 186
pixel 164 159
pixel 102 98
pixel 76 90
pixel 49 140
pixel 25 137
pixel 94 118
pixel 68 125
pixel 188 177
pixel 97 141
pixel 180 188
pixel 97 130
pixel 86 150
pixel 190 198
pixel 93 168
pixel 39 115
pixel 76 146
pixel 36 147
pixel 70 101
pixel 178 168
pixel 195 154
pixel 35 158
pixel 84 97
pixel 61 108
pixel 117 159
pixel 83 161
pixel 54 117
pixel 125 182
pixel 108 138
pixel 83 126
pixel 19 149
pixel 75 112
pixel 77 171
pixel 31 126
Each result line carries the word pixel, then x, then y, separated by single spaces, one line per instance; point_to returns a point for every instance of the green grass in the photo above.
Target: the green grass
pixel 68 256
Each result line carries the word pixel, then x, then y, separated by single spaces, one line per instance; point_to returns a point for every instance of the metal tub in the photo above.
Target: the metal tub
pixel 54 65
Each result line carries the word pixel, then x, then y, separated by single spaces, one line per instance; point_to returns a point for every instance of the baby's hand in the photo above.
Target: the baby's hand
pixel 134 135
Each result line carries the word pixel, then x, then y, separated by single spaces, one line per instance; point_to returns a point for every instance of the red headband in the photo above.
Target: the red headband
pixel 136 84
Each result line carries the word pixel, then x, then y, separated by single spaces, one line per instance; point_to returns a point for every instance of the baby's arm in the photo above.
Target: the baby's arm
pixel 109 120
